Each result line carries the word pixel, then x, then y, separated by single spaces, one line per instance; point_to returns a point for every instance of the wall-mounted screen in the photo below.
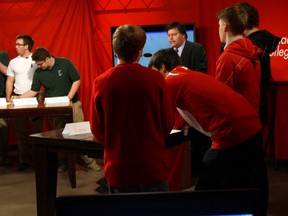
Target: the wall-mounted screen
pixel 156 39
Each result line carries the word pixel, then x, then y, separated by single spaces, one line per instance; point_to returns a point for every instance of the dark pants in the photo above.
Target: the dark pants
pixel 200 143
pixel 241 166
pixel 157 187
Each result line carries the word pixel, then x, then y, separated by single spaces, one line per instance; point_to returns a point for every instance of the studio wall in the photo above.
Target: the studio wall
pixel 80 29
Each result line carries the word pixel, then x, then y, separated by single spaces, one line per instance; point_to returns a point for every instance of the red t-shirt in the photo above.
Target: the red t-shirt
pixel 212 107
pixel 131 115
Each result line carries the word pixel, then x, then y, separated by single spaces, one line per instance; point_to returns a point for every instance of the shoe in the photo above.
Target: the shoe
pixel 22 167
pixel 62 168
pixel 94 166
pixel 102 189
pixel 102 181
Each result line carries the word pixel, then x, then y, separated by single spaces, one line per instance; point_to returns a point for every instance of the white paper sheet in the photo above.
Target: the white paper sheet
pixel 25 102
pixel 57 101
pixel 174 131
pixel 77 128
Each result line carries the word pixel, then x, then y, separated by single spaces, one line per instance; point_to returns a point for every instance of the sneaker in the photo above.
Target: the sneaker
pixel 22 167
pixel 62 168
pixel 94 166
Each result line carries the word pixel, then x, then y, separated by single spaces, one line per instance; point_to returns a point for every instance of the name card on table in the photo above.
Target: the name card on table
pixel 77 128
pixel 57 101
pixel 25 102
pixel 3 102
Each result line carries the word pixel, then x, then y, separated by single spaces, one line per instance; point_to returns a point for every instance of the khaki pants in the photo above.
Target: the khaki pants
pixel 57 122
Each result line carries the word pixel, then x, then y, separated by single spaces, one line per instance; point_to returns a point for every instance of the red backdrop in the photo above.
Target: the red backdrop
pixel 80 30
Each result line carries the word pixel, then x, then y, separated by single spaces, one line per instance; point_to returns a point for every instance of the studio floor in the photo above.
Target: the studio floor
pixel 18 194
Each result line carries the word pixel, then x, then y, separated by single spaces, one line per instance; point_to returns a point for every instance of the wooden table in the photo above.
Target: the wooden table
pixel 46 147
pixel 11 111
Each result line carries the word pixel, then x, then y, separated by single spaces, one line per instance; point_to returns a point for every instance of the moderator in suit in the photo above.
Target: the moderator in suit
pixel 194 56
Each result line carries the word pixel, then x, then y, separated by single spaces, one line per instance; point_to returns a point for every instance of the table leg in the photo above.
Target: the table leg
pixel 72 170
pixel 46 180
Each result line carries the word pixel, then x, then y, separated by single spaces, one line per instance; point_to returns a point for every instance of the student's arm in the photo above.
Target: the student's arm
pixel 9 87
pixel 74 88
pixel 28 94
pixel 3 68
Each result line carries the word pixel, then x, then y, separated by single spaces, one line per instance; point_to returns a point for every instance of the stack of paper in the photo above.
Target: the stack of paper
pixel 57 101
pixel 25 102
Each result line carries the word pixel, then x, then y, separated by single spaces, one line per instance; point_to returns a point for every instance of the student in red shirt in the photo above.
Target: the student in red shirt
pixel 238 65
pixel 131 115
pixel 235 159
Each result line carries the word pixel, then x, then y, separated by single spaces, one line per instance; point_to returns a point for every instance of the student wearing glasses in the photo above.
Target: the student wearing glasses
pixel 20 73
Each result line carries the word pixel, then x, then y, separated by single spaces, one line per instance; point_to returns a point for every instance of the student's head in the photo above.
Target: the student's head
pixel 176 34
pixel 253 15
pixel 232 20
pixel 128 42
pixel 41 57
pixel 164 60
pixel 24 43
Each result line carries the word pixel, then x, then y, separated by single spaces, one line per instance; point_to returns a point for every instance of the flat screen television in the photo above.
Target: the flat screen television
pixel 156 39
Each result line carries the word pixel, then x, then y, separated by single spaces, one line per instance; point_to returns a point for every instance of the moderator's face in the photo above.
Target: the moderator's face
pixel 175 38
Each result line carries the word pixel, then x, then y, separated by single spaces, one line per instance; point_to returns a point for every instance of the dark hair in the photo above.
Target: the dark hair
pixel 181 28
pixel 128 40
pixel 253 15
pixel 27 40
pixel 236 17
pixel 168 57
pixel 40 54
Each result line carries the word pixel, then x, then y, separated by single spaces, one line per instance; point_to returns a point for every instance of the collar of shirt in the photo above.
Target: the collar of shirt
pixel 233 39
pixel 180 49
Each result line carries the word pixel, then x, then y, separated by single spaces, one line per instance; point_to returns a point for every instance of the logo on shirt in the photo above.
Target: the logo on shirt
pixel 59 73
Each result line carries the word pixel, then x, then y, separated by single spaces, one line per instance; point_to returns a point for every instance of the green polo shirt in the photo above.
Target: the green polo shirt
pixel 4 59
pixel 58 80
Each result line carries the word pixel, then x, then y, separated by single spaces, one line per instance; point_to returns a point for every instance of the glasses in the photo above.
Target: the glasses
pixel 18 44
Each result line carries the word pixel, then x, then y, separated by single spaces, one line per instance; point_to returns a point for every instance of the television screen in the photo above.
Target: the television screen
pixel 156 39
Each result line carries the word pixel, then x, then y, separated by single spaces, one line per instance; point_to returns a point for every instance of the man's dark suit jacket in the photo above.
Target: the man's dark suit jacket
pixel 194 57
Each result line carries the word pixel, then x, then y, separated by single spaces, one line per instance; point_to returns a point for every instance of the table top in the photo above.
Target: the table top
pixel 31 111
pixel 55 138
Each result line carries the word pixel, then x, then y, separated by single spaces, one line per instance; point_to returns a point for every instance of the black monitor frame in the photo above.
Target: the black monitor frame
pixel 156 39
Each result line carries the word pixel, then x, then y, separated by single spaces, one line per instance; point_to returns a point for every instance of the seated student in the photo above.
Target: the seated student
pixel 235 159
